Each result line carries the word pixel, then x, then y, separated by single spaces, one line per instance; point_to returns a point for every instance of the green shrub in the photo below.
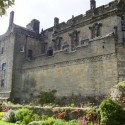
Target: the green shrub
pixel 24 115
pixel 72 122
pixel 47 97
pixel 49 121
pixel 36 117
pixel 35 123
pixel 26 120
pixel 59 122
pixel 111 113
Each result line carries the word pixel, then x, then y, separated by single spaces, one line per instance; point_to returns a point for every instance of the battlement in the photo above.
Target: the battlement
pixel 89 15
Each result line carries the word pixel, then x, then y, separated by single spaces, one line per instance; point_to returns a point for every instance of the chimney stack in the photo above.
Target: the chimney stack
pixel 56 21
pixel 11 19
pixel 92 4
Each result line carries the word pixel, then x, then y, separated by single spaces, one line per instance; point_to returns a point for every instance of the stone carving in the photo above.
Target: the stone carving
pixel 95 30
pixel 57 43
pixel 74 39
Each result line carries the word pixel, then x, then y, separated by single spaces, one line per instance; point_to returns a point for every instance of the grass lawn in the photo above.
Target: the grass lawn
pixel 6 123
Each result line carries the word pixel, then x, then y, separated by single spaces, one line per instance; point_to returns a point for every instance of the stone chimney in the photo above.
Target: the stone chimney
pixel 34 25
pixel 56 22
pixel 11 19
pixel 92 4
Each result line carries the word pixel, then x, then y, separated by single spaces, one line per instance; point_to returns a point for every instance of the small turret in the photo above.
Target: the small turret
pixel 92 4
pixel 11 19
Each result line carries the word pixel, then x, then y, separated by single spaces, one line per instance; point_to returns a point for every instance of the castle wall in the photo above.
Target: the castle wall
pixel 90 71
pixel 121 61
pixel 23 43
pixel 6 63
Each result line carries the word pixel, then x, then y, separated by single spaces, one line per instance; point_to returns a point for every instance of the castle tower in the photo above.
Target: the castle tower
pixel 11 19
pixel 92 4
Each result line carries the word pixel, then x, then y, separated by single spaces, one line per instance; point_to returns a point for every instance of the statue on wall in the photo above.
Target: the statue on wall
pixel 74 39
pixel 57 43
pixel 95 30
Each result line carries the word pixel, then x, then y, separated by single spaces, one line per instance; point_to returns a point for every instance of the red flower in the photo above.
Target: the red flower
pixel 61 115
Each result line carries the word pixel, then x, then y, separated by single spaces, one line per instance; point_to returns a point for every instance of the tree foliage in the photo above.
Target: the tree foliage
pixel 4 4
pixel 111 113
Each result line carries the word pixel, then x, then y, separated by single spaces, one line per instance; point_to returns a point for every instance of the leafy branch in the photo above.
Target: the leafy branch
pixel 5 4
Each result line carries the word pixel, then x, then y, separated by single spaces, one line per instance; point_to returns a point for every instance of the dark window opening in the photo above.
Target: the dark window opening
pixel 2 83
pixel 30 54
pixel 4 66
pixel 66 47
pixel 50 52
pixel 2 49
pixel 21 48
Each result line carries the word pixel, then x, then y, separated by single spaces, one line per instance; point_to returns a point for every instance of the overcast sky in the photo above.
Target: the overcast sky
pixel 45 11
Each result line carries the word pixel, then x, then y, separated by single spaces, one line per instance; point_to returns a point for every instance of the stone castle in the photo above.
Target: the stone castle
pixel 85 55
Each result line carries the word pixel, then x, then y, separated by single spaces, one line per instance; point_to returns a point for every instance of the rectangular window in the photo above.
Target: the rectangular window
pixel 2 49
pixel 30 54
pixel 2 82
pixel 123 36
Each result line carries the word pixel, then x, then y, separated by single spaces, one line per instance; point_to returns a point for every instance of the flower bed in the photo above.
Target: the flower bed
pixel 27 114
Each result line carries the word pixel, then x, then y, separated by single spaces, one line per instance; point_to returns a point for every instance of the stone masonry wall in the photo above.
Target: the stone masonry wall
pixel 6 57
pixel 89 71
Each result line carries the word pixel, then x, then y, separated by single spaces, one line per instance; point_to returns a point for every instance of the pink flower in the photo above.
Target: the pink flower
pixel 61 115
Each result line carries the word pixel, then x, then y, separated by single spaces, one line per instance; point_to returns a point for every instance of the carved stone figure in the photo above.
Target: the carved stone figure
pixel 57 43
pixel 95 30
pixel 74 39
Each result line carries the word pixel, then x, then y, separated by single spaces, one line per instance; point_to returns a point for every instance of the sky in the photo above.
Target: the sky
pixel 45 11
